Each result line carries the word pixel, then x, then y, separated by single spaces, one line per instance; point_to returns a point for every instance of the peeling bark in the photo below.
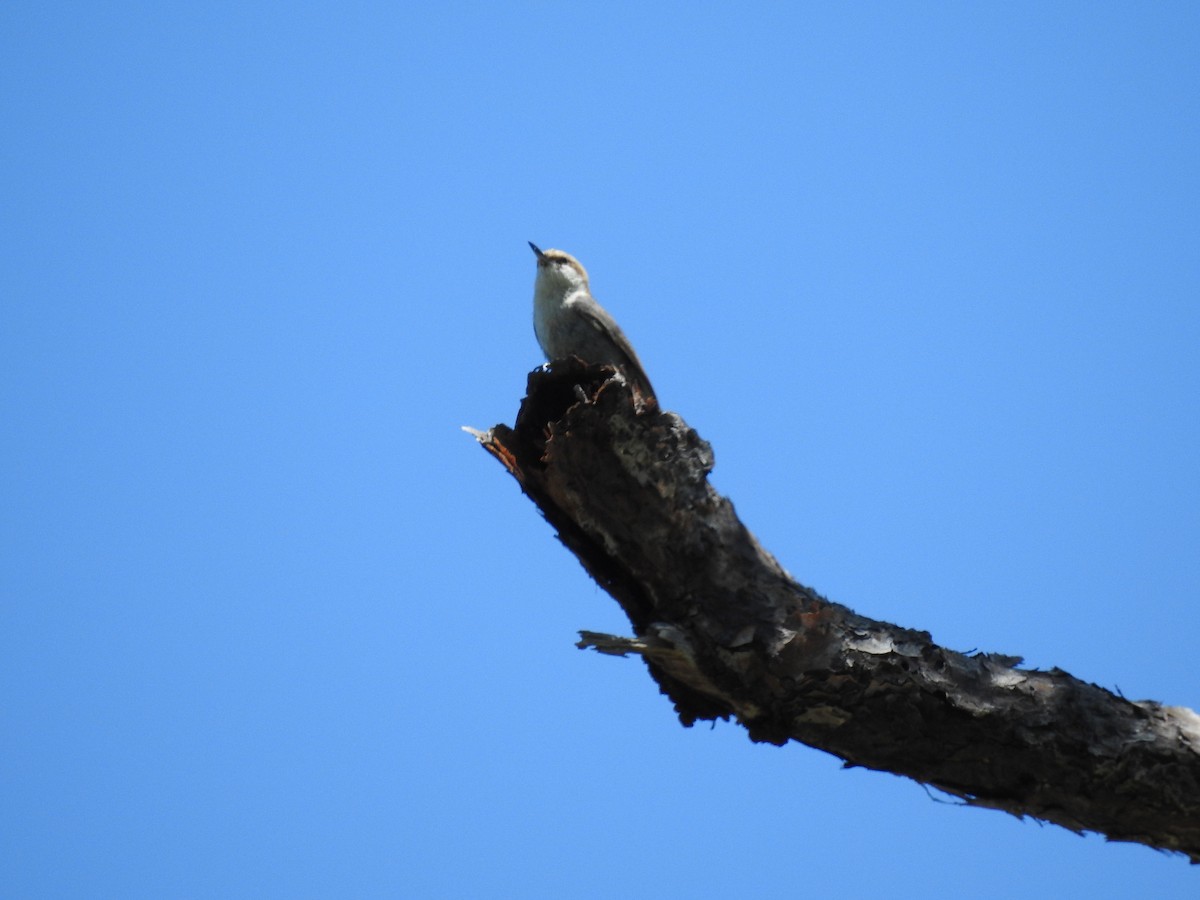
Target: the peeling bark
pixel 728 633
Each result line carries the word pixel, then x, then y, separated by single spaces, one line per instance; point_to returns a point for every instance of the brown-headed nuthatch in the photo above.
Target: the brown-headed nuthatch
pixel 569 322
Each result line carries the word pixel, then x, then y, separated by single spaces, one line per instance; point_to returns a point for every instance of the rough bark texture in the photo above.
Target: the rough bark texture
pixel 726 632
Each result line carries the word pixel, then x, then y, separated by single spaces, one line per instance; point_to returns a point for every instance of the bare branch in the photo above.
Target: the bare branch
pixel 726 632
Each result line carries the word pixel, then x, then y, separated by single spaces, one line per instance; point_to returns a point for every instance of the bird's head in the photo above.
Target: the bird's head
pixel 559 270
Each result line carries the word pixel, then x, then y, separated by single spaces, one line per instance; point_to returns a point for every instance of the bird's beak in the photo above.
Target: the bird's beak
pixel 537 250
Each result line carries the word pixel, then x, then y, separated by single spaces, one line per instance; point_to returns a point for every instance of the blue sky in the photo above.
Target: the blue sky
pixel 926 276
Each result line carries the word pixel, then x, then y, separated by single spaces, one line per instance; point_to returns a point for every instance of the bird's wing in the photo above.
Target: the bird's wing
pixel 598 317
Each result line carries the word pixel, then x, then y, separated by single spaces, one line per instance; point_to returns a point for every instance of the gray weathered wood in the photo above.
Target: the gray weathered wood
pixel 726 632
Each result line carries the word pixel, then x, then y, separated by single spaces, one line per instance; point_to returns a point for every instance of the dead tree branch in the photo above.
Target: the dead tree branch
pixel 726 632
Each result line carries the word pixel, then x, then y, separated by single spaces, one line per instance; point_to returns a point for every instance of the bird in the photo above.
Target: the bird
pixel 568 321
